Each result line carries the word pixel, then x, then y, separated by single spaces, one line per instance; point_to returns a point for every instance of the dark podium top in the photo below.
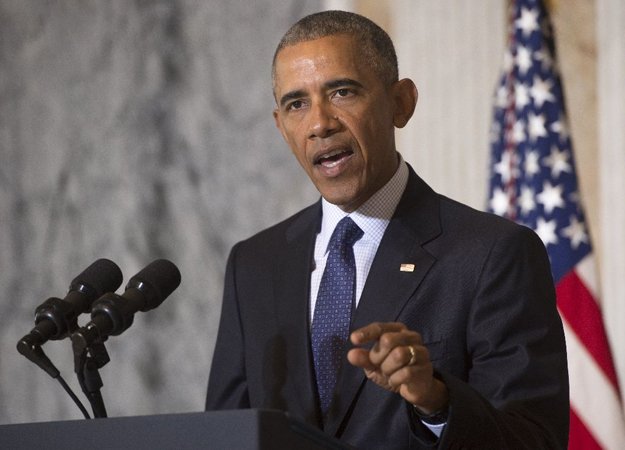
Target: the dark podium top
pixel 240 429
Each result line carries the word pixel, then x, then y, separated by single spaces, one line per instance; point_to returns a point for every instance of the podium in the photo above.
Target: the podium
pixel 227 430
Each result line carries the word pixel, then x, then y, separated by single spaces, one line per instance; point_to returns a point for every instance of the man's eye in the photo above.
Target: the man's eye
pixel 297 104
pixel 343 92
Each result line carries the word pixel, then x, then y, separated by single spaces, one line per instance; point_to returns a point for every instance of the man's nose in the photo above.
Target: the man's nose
pixel 323 120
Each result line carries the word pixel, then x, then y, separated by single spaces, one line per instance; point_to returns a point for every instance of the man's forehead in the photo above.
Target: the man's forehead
pixel 309 58
pixel 339 41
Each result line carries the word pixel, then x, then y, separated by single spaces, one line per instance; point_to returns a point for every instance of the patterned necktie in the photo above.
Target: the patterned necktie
pixel 333 309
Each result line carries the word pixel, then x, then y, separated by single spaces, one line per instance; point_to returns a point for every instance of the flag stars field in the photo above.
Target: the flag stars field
pixel 533 182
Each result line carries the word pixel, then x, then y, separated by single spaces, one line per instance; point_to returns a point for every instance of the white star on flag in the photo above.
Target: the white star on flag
pixel 541 91
pixel 499 202
pixel 576 232
pixel 528 22
pixel 526 200
pixel 550 197
pixel 558 162
pixel 502 97
pixel 522 96
pixel 537 126
pixel 524 59
pixel 532 167
pixel 546 230
pixel 559 127
pixel 507 167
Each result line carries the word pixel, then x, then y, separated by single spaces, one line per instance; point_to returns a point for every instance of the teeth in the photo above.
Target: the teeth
pixel 323 159
pixel 330 163
pixel 332 153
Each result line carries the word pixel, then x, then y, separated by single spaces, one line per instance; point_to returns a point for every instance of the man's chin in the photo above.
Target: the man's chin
pixel 348 202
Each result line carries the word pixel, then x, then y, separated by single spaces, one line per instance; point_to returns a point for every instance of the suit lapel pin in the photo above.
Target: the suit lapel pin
pixel 406 268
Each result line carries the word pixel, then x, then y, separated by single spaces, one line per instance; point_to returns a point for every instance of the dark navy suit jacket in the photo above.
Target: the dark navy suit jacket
pixel 481 295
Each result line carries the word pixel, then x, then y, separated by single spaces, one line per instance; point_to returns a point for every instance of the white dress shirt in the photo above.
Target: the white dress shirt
pixel 372 217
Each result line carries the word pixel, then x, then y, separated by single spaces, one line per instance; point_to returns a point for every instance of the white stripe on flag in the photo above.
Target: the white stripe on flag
pixel 586 270
pixel 593 397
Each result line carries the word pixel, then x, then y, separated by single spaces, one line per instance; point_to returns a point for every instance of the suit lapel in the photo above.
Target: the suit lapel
pixel 292 287
pixel 388 289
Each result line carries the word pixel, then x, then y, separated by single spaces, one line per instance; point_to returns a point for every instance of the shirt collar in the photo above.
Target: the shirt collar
pixel 372 216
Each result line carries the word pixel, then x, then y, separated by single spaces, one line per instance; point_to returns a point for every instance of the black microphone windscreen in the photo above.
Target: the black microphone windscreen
pixel 156 281
pixel 102 276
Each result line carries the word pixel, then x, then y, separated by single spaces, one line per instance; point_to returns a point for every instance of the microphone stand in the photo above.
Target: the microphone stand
pixel 87 361
pixel 32 350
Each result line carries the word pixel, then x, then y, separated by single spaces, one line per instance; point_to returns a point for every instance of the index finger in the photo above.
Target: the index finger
pixel 373 331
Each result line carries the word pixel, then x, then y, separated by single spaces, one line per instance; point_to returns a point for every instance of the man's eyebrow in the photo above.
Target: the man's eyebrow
pixel 291 96
pixel 343 82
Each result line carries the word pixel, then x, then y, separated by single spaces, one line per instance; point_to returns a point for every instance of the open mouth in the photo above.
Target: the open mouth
pixel 333 158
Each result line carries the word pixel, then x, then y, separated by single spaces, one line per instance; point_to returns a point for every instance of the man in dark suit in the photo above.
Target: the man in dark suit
pixel 455 341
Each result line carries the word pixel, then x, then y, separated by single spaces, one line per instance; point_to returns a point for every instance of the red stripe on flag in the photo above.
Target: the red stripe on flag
pixel 580 310
pixel 579 436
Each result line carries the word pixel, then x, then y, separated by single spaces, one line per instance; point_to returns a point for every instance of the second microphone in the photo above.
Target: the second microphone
pixel 113 314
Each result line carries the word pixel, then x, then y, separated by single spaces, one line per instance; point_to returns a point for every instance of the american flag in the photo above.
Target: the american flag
pixel 533 182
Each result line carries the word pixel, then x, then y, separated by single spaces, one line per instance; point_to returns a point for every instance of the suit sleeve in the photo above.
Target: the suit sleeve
pixel 227 386
pixel 516 394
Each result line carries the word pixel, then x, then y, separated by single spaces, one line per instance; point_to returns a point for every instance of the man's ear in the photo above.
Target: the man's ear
pixel 276 119
pixel 405 94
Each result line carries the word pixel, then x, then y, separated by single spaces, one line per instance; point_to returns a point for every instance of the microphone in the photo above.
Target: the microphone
pixel 113 314
pixel 56 318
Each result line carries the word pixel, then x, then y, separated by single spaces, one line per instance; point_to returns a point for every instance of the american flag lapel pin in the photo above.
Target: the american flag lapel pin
pixel 406 268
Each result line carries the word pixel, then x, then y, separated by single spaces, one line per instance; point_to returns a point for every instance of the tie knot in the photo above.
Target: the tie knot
pixel 345 233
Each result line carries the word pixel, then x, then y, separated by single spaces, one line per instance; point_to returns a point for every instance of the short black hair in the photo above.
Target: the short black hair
pixel 377 45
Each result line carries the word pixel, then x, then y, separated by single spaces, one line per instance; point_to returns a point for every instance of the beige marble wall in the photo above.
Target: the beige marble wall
pixel 134 130
pixel 611 94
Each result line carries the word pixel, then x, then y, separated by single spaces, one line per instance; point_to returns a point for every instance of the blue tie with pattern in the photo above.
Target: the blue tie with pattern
pixel 333 309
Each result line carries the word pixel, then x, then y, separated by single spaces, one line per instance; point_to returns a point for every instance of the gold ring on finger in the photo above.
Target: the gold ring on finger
pixel 413 355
